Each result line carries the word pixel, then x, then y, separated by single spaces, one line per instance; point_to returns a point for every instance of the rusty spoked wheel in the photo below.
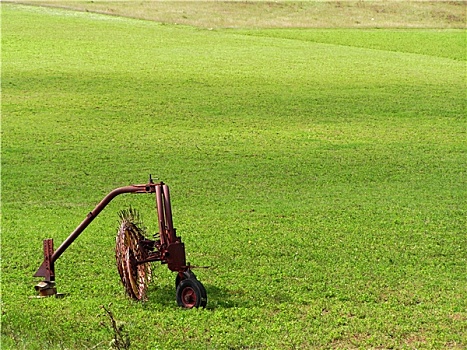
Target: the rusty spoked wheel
pixel 128 251
pixel 191 293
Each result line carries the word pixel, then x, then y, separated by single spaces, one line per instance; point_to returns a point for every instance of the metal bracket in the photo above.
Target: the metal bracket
pixel 47 270
pixel 47 287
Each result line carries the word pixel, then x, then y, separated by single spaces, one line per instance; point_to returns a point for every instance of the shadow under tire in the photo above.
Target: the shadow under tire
pixel 191 293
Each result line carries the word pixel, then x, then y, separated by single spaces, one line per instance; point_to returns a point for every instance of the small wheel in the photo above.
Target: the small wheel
pixel 191 293
pixel 183 275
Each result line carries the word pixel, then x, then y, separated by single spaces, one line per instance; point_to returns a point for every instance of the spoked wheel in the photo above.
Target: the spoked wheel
pixel 191 293
pixel 128 251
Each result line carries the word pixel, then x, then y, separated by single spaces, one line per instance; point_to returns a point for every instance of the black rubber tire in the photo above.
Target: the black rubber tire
pixel 187 274
pixel 191 293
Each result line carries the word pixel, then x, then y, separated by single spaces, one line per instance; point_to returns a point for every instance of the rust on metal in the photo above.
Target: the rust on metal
pixel 129 250
pixel 47 268
pixel 133 251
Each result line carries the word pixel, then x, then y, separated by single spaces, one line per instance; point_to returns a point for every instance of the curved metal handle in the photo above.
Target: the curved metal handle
pixel 46 269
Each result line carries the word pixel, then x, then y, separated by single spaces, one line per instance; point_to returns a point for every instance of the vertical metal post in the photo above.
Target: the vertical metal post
pixel 168 214
pixel 48 261
pixel 160 214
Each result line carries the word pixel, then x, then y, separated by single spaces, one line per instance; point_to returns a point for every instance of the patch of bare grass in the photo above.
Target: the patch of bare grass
pixel 282 14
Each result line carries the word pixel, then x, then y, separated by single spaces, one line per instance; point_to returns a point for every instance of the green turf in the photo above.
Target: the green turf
pixel 320 173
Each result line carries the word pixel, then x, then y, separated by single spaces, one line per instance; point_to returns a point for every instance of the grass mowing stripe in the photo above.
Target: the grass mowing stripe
pixel 324 184
pixel 432 42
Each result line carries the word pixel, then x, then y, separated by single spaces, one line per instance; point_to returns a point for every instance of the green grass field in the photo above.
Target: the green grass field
pixel 320 173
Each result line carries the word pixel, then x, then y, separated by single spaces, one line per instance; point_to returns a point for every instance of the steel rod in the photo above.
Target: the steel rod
pixel 92 215
pixel 168 213
pixel 160 215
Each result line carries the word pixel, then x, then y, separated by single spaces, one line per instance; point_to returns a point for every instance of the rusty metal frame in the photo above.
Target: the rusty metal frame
pixel 168 249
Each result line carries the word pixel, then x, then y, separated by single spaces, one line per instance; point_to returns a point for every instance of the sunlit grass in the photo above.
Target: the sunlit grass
pixel 319 173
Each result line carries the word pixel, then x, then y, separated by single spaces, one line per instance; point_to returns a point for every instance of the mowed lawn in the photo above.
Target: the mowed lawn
pixel 319 173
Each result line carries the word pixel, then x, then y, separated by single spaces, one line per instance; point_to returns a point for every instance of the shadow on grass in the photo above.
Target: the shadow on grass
pixel 218 298
pixel 163 295
pixel 223 298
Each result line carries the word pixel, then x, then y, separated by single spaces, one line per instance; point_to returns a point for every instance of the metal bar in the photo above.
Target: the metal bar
pixel 168 214
pixel 47 268
pixel 92 215
pixel 160 214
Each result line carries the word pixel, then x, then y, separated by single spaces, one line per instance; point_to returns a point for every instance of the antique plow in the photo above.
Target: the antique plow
pixel 134 252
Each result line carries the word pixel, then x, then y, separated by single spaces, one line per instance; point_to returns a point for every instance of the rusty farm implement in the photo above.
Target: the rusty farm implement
pixel 134 252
